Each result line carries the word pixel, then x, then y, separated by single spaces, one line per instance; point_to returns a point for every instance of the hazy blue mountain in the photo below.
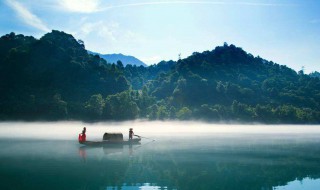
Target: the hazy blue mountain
pixel 125 59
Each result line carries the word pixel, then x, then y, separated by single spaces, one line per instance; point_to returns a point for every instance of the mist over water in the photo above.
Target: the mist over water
pixel 183 155
pixel 70 130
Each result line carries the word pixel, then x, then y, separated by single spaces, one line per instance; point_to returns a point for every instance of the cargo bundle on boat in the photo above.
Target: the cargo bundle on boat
pixel 113 137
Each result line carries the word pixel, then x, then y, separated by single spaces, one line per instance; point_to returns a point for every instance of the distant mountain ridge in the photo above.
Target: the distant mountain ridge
pixel 125 59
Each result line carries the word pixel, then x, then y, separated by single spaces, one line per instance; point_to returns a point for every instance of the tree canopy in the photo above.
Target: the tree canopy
pixel 54 78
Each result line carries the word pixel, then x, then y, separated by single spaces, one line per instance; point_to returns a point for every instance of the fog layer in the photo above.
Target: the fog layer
pixel 151 129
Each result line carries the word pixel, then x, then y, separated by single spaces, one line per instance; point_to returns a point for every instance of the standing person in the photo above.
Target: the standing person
pixel 82 136
pixel 131 133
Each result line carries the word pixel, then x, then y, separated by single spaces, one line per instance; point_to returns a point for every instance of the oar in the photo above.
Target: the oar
pixel 144 137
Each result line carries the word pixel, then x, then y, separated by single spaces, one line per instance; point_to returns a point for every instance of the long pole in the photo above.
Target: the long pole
pixel 144 137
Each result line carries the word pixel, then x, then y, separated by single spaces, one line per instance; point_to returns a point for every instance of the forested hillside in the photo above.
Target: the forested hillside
pixel 229 84
pixel 54 78
pixel 49 78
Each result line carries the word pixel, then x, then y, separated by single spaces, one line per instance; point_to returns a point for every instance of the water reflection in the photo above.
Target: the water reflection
pixel 212 161
pixel 82 153
pixel 138 186
pixel 240 163
pixel 110 149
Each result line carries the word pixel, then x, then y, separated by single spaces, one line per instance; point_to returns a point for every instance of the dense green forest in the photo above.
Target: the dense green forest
pixel 54 78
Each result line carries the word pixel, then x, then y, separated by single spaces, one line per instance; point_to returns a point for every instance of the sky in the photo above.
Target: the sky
pixel 284 31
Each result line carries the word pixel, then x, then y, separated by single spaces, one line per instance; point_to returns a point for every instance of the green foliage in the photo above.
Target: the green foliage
pixel 162 113
pixel 122 106
pixel 55 64
pixel 54 78
pixel 58 108
pixel 140 76
pixel 229 84
pixel 184 114
pixel 94 107
pixel 315 74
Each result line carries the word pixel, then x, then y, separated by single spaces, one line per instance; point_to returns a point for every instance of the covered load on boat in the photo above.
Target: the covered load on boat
pixel 113 137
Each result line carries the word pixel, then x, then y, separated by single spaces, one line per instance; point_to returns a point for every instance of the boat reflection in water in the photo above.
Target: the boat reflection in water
pixel 122 156
pixel 109 149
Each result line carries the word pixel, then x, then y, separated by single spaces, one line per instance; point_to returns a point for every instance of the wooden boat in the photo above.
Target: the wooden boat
pixel 109 139
pixel 111 142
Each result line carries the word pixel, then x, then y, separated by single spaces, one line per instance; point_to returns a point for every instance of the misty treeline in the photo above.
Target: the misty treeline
pixel 54 78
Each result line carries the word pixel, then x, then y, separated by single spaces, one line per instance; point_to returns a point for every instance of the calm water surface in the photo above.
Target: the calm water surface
pixel 183 156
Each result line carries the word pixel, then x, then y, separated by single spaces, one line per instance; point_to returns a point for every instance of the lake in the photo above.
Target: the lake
pixel 176 156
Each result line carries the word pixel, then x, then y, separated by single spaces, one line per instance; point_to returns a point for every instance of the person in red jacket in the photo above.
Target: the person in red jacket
pixel 82 136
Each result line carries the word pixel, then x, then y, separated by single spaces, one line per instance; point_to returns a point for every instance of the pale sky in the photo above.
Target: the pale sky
pixel 283 31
